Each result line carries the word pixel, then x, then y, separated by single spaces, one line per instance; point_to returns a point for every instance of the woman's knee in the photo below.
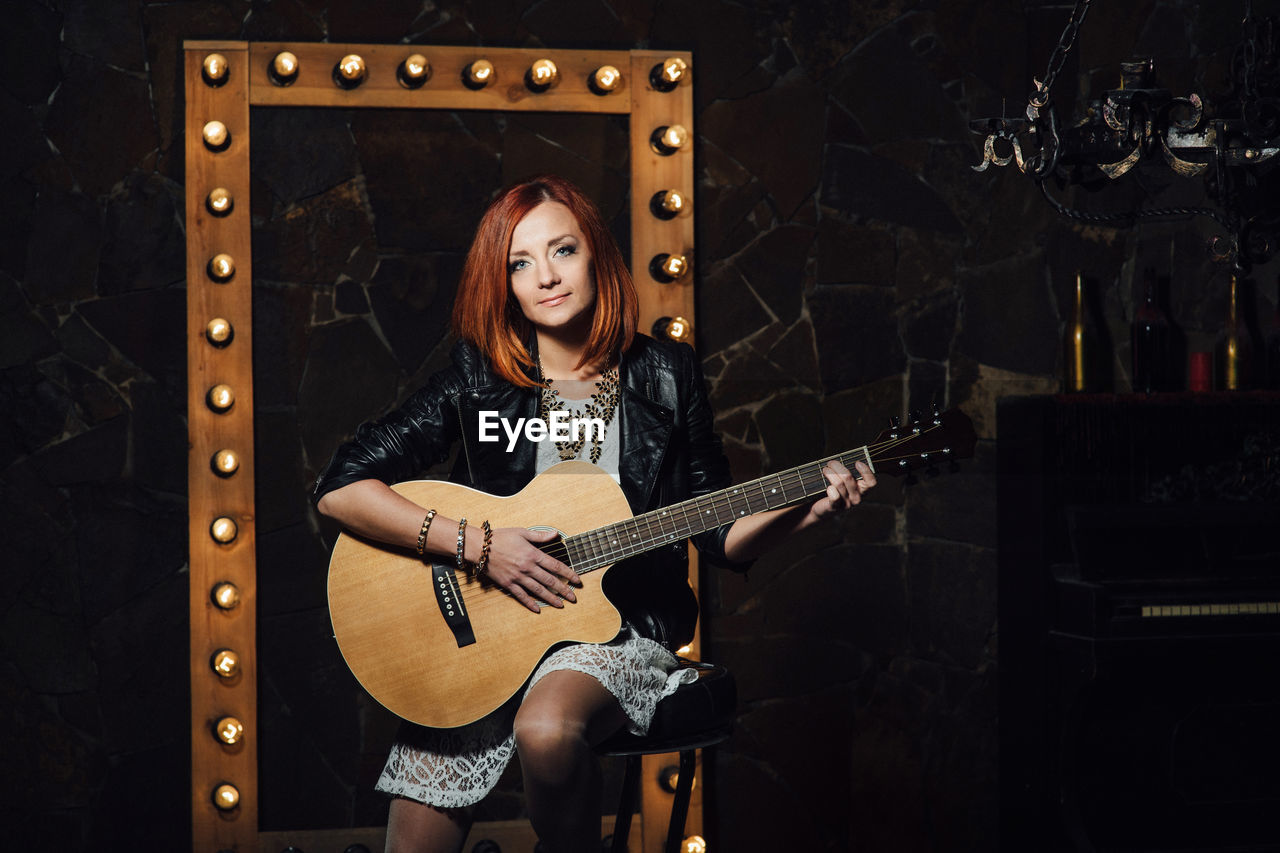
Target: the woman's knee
pixel 551 747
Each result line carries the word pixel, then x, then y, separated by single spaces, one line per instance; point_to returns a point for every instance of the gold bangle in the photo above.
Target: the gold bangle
pixel 422 534
pixel 483 565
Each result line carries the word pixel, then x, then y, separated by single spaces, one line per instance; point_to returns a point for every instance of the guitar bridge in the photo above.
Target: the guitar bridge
pixel 449 598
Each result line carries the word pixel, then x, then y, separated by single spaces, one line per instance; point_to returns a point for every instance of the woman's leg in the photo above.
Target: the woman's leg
pixel 563 716
pixel 413 827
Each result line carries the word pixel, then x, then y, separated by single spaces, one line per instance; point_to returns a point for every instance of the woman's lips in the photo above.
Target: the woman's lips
pixel 554 301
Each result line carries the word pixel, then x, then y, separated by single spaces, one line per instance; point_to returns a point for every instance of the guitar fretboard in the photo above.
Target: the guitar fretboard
pixel 604 546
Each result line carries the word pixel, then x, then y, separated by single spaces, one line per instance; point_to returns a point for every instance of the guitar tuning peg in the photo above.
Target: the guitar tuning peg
pixel 894 422
pixel 915 416
pixel 936 411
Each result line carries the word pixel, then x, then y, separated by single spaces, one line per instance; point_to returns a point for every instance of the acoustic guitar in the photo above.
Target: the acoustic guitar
pixel 443 648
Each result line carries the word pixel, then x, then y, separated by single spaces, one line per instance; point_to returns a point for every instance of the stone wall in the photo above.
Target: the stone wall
pixel 850 266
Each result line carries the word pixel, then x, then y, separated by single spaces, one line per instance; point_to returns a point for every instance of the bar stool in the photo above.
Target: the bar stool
pixel 697 715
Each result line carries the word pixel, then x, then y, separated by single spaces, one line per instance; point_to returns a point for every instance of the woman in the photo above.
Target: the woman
pixel 546 317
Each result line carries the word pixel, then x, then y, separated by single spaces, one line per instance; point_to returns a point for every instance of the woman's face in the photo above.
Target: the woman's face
pixel 550 270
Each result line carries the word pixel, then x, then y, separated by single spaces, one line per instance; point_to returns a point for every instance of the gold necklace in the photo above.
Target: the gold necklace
pixel 601 406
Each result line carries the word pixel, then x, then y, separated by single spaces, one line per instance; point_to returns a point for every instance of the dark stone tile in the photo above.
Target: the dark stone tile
pixel 786 164
pixel 349 379
pixel 822 34
pixel 158 458
pixel 796 354
pixel 95 400
pixel 312 241
pixel 412 298
pixel 292 561
pixel 860 184
pixel 281 330
pixel 790 424
pixel 953 602
pixel 991 41
pixel 62 256
pixel 854 254
pixel 927 264
pixel 33 411
pixel 282 20
pixel 774 266
pixel 484 22
pixel 584 149
pixel 160 814
pixel 579 23
pixel 52 767
pixel 281 484
pixel 349 298
pixel 379 23
pixel 727 41
pixel 144 246
pixel 417 205
pixel 725 217
pixel 17 212
pixel 729 312
pixel 82 344
pixel 150 330
pixel 959 505
pixel 887 88
pixel 928 328
pixel 96 455
pixel 299 153
pixel 24 339
pixel 1009 319
pixel 747 378
pixel 84 123
pixel 50 649
pixel 24 138
pixel 857 343
pixel 29 41
pixel 1011 219
pixel 747 786
pixel 855 415
pixel 107 30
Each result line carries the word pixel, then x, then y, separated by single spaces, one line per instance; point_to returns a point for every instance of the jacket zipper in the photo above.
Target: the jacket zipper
pixel 471 474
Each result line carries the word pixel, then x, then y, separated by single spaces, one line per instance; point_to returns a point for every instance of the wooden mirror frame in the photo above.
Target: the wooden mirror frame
pixel 221 502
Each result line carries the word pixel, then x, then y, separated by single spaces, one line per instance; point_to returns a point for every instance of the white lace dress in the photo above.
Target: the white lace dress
pixel 457 767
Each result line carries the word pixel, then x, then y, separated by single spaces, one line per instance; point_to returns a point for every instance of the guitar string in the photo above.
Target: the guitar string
pixel 559 550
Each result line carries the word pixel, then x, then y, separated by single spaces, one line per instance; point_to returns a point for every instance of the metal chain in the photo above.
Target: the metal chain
pixel 1065 42
pixel 1249 49
pixel 1148 213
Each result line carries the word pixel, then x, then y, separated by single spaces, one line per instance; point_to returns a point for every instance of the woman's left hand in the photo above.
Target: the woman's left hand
pixel 844 488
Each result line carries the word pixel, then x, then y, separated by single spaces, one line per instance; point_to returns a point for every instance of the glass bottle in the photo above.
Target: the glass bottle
pixel 1233 352
pixel 1076 345
pixel 1149 341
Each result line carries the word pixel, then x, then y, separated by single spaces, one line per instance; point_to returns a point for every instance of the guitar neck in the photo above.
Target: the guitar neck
pixel 604 546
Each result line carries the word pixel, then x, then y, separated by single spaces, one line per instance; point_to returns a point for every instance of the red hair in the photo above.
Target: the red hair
pixel 487 315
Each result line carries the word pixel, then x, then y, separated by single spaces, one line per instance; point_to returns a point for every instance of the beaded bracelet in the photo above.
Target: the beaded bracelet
pixel 462 539
pixel 422 534
pixel 483 565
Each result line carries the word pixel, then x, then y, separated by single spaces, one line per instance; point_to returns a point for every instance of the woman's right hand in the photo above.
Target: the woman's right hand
pixel 531 575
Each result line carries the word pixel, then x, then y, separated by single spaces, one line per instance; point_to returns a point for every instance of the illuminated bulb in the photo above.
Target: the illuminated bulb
pixel 220 398
pixel 478 74
pixel 226 663
pixel 669 777
pixel 284 68
pixel 219 332
pixel 350 71
pixel 226 595
pixel 225 463
pixel 667 204
pixel 669 74
pixel 675 328
pixel 223 530
pixel 219 202
pixel 229 730
pixel 215 69
pixel 414 71
pixel 684 650
pixel 605 79
pixel 221 267
pixel 668 139
pixel 542 74
pixel 226 797
pixel 668 268
pixel 694 844
pixel 215 135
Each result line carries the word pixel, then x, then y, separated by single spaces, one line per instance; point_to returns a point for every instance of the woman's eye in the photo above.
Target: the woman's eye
pixel 517 265
pixel 564 251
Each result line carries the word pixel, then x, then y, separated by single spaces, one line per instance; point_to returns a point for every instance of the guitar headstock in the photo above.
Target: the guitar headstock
pixel 924 442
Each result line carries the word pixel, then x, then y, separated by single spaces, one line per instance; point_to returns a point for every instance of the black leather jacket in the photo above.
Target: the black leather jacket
pixel 669 453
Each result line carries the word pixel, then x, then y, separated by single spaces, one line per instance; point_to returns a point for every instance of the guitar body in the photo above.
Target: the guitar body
pixel 392 632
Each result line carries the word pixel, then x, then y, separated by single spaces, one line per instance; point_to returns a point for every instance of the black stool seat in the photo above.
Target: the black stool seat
pixel 696 715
